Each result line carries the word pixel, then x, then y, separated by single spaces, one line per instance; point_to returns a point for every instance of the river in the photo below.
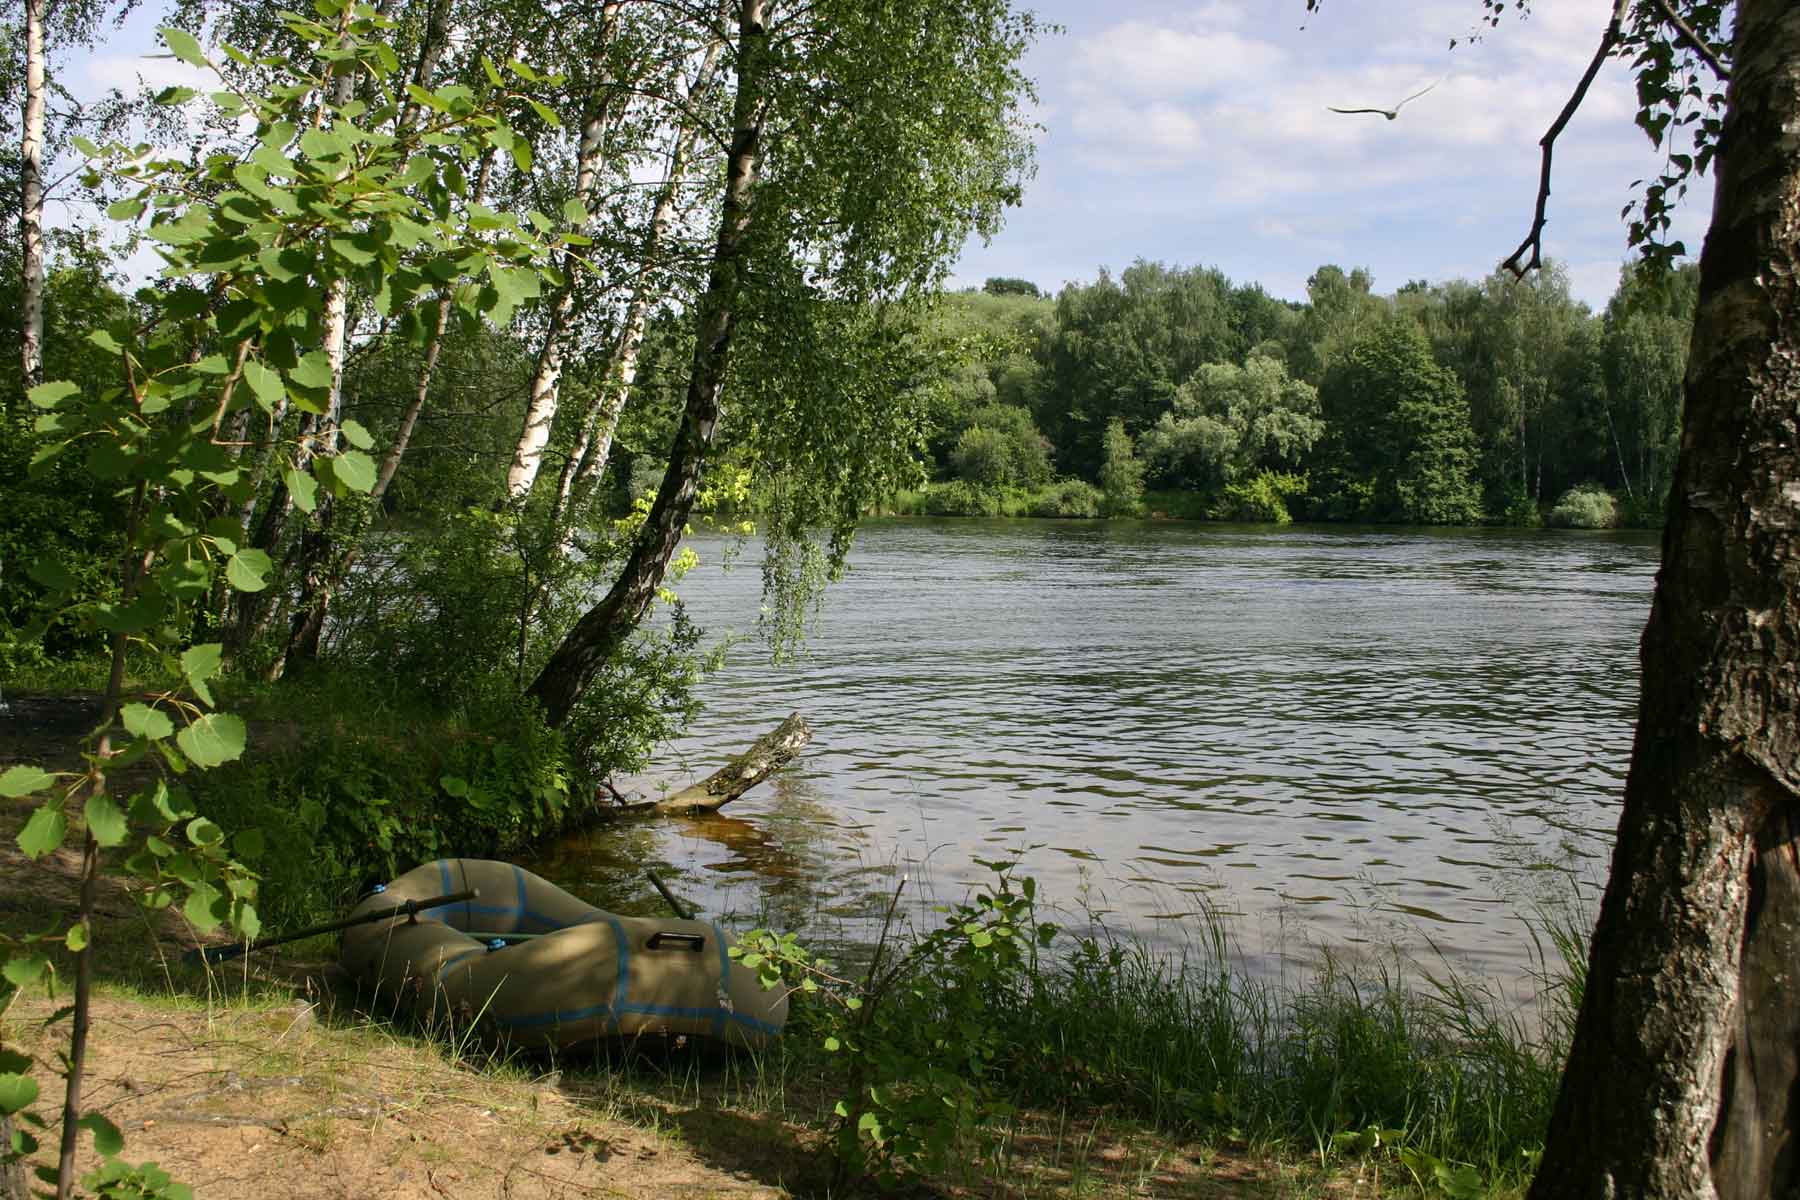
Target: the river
pixel 1329 736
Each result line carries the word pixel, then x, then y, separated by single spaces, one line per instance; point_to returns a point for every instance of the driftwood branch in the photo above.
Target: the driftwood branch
pixel 771 752
pixel 768 755
pixel 1534 241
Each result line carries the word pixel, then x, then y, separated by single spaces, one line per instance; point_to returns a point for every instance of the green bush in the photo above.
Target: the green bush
pixel 959 499
pixel 1068 498
pixel 1585 506
pixel 380 786
pixel 1261 498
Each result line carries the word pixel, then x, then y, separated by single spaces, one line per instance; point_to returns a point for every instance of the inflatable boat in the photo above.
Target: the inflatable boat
pixel 543 969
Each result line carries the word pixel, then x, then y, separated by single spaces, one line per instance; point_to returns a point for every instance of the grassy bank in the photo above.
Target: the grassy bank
pixel 1020 1058
pixel 1126 1074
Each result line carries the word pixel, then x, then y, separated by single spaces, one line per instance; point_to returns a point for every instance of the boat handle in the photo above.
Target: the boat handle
pixel 663 940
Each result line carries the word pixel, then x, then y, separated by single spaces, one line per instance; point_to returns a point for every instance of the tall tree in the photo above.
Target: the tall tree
pixel 868 141
pixel 31 198
pixel 1399 446
pixel 1684 1077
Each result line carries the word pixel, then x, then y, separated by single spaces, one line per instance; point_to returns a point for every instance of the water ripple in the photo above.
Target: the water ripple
pixel 1386 729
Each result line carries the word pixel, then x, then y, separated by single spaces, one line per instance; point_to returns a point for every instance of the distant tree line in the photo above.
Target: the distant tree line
pixel 1500 400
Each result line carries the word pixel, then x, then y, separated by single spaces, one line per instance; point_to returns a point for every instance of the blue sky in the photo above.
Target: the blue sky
pixel 1198 133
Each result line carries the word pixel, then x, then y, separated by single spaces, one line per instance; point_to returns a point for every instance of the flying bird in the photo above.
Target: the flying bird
pixel 1394 112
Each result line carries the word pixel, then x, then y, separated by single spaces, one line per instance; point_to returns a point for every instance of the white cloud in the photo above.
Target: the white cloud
pixel 1148 59
pixel 105 71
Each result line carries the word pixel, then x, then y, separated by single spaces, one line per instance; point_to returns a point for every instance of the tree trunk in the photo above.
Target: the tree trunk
pixel 770 753
pixel 1683 1079
pixel 546 380
pixel 31 206
pixel 588 459
pixel 602 628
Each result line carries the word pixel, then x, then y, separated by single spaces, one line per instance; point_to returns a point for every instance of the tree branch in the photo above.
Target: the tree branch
pixel 1534 241
pixel 1700 48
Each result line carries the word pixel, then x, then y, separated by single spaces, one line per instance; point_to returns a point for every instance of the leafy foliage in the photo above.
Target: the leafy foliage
pixel 921 1042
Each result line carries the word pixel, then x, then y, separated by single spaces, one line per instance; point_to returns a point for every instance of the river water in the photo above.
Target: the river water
pixel 1330 736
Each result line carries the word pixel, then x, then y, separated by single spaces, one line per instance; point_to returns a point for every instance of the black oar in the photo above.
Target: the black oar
pixel 217 954
pixel 681 910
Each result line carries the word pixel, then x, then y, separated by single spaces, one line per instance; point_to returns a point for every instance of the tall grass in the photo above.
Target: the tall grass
pixel 1391 1054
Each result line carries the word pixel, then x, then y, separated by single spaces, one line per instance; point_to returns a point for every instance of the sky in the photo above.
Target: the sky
pixel 1198 134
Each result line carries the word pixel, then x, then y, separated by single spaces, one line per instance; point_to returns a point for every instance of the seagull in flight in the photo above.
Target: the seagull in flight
pixel 1394 112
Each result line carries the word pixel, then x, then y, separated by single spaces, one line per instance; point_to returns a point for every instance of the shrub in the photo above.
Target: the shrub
pixel 383 785
pixel 959 499
pixel 1261 498
pixel 1069 498
pixel 1586 506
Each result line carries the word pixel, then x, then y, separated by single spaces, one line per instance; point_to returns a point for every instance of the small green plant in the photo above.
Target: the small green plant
pixel 921 1043
pixel 1587 506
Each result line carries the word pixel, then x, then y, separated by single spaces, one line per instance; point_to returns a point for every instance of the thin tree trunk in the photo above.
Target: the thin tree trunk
pixel 546 380
pixel 1683 1079
pixel 1618 453
pixel 323 566
pixel 604 627
pixel 31 207
pixel 588 459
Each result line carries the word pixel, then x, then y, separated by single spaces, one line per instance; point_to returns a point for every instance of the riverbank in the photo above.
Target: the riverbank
pixel 266 1078
pixel 1124 1076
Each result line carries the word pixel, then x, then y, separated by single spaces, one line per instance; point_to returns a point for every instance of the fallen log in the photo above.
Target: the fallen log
pixel 768 755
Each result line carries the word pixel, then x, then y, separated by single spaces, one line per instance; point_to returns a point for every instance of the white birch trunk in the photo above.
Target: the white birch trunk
pixel 540 411
pixel 31 208
pixel 588 460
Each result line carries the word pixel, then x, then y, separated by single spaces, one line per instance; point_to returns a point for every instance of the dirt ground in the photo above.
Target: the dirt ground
pixel 265 1079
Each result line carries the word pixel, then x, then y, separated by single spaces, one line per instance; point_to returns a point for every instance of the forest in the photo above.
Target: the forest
pixel 1175 392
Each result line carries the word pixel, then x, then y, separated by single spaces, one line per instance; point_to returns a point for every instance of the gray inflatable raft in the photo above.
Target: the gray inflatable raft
pixel 588 974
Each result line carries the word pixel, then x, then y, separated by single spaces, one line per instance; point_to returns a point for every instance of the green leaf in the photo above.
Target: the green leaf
pixel 77 938
pixel 143 721
pixel 248 570
pixel 105 821
pixel 212 740
pixel 199 908
pixel 355 470
pixel 53 575
pixel 574 213
pixel 17 1093
pixel 203 832
pixel 201 663
pixel 183 45
pixel 248 843
pixel 356 435
pixel 23 970
pixel 245 921
pixel 23 780
pixel 44 832
pixel 107 1138
pixel 265 384
pixel 313 371
pixel 303 488
pixel 49 395
pixel 126 210
pixel 321 143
